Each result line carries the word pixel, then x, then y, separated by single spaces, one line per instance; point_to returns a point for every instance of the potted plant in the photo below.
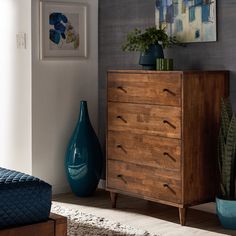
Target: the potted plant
pixel 226 201
pixel 150 44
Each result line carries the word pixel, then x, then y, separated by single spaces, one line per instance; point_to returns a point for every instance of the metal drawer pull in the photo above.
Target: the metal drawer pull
pixel 169 91
pixel 167 186
pixel 121 118
pixel 122 89
pixel 167 122
pixel 122 178
pixel 167 154
pixel 121 147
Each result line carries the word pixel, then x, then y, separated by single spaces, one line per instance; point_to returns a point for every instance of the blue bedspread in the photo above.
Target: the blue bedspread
pixel 24 199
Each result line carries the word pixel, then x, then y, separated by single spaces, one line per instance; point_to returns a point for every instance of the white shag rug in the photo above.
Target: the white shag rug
pixel 83 224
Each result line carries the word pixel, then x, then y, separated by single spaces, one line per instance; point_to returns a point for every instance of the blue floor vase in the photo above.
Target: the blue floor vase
pixel 83 162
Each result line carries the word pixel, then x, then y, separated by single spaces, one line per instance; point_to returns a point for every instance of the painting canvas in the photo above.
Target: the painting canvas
pixel 63 30
pixel 188 20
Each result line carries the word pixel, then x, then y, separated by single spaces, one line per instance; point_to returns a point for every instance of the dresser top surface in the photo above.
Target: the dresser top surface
pixel 167 72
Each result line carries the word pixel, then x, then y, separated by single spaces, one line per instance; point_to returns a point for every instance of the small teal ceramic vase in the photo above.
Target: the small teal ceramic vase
pixel 148 59
pixel 83 162
pixel 226 211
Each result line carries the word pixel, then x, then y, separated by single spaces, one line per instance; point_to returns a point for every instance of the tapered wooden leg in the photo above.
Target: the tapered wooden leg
pixel 113 197
pixel 182 215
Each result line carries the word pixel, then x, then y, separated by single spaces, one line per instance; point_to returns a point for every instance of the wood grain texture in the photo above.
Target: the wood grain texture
pixel 144 181
pixel 44 228
pixel 148 150
pixel 60 224
pixel 182 215
pixel 149 88
pixel 113 197
pixel 137 141
pixel 118 17
pixel 113 28
pixel 202 92
pixel 145 119
pixel 55 226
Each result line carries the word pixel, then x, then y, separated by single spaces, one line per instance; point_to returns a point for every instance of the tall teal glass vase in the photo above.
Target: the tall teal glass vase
pixel 83 162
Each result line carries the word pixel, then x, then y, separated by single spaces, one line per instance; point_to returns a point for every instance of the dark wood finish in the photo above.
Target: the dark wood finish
pixel 182 215
pixel 55 226
pixel 159 149
pixel 113 197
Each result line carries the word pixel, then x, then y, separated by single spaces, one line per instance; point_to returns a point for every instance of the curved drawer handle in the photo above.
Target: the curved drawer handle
pixel 121 147
pixel 167 154
pixel 167 122
pixel 122 178
pixel 169 91
pixel 122 89
pixel 121 118
pixel 167 186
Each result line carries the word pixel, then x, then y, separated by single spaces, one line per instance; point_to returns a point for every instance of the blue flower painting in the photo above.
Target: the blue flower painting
pixel 188 20
pixel 62 32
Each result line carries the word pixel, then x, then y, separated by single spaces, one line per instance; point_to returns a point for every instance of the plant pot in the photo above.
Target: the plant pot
pixel 83 162
pixel 148 59
pixel 226 211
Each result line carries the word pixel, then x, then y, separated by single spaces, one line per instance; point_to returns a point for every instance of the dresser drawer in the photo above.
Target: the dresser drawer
pixel 145 150
pixel 164 89
pixel 143 181
pixel 150 119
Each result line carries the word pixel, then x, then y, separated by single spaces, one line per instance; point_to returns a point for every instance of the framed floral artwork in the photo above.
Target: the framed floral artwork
pixel 63 30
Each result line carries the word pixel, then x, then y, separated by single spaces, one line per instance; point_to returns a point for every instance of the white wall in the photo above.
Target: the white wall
pixel 57 88
pixel 15 86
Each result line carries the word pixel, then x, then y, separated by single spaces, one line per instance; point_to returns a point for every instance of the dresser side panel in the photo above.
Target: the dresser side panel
pixel 202 92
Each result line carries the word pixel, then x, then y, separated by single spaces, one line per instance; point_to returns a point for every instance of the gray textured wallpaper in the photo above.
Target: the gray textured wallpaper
pixel 117 17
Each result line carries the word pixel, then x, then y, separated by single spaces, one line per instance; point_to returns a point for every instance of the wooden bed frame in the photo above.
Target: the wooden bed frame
pixel 55 226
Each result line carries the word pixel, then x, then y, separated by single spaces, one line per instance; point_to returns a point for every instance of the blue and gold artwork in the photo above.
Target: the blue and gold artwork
pixel 62 32
pixel 188 20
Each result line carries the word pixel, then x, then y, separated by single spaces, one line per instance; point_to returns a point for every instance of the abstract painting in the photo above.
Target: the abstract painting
pixel 188 20
pixel 63 30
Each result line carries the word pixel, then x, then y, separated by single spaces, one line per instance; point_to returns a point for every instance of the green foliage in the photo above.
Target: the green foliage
pixel 140 41
pixel 227 151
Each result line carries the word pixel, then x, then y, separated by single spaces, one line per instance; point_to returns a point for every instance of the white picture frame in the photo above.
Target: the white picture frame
pixel 63 30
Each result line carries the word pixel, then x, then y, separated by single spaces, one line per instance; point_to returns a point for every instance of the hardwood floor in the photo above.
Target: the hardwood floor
pixel 153 217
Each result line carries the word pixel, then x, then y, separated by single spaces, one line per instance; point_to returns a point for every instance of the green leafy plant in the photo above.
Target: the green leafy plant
pixel 227 152
pixel 140 41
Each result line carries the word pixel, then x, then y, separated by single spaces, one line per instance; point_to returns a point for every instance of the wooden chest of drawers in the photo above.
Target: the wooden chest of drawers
pixel 162 134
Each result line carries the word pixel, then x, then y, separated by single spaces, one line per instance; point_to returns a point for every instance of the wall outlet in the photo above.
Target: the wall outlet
pixel 21 40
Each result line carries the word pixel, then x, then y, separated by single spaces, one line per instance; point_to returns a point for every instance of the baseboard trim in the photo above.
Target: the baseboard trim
pixel 207 207
pixel 60 189
pixel 66 189
pixel 102 184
